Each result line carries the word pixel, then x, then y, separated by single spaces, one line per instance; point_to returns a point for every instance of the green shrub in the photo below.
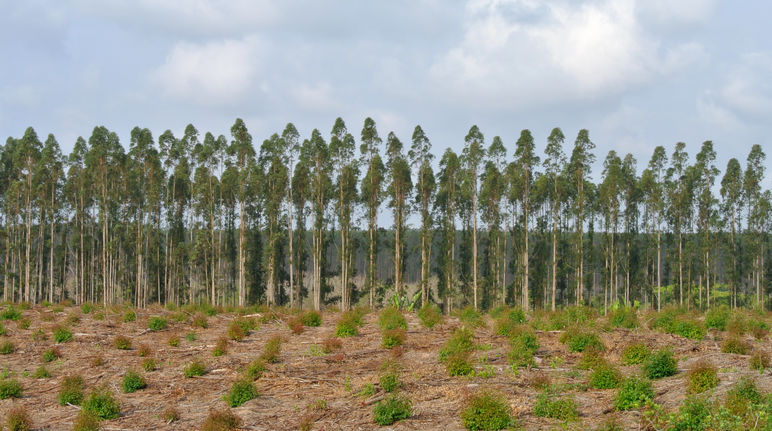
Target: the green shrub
pixel 220 347
pixel 717 318
pixel 624 317
pixel 458 364
pixel 591 359
pixel 347 325
pixel 429 315
pixel 235 331
pixel 129 316
pixel 7 347
pixel 241 392
pixel 221 420
pixel 3 331
pixel 10 388
pixel 605 377
pixel 122 342
pixel 190 337
pixel 18 419
pixel 41 373
pixel 392 338
pixel 743 394
pixel 149 364
pixel 194 369
pixel 633 393
pixel 133 382
pixel 665 319
pixel 524 336
pixel 311 318
pixel 471 317
pixel 102 403
pixel 87 308
pixel 392 409
pixel 520 354
pixel 487 411
pixel 701 377
pixel 389 381
pixel 734 344
pixel 391 318
pixel 71 390
pixel 86 421
pixel 10 313
pixel 272 350
pixel 549 405
pixel 51 354
pixel 689 329
pixel 200 321
pixel 254 370
pixel 660 364
pixel 693 414
pixel 461 340
pixel 579 340
pixel 635 353
pixel 509 322
pixel 24 324
pixel 62 334
pixel 759 361
pixel 157 323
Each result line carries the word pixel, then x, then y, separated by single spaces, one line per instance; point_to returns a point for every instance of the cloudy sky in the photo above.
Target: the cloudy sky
pixel 635 73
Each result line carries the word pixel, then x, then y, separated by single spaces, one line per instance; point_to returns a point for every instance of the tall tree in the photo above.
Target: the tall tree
pixel 754 174
pixel 342 158
pixel 447 201
pixel 554 163
pixel 582 159
pixel 732 202
pixel 525 160
pixel 51 174
pixel 473 155
pixel 492 192
pixel 421 159
pixel 317 154
pixel 274 188
pixel 678 204
pixel 656 201
pixel 399 189
pixel 706 177
pixel 243 152
pixel 291 138
pixel 371 195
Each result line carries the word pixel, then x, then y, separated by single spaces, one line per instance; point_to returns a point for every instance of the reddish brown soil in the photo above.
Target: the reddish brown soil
pixel 305 383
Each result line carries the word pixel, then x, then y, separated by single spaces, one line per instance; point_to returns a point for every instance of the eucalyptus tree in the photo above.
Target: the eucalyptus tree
pixel 677 185
pixel 243 153
pixel 609 202
pixel 706 173
pixel 342 157
pixel 26 155
pixel 421 159
pixel 472 158
pixel 754 174
pixel 399 189
pixel 142 157
pixel 301 192
pixel 210 158
pixel 630 193
pixel 492 192
pixel 731 206
pixel 291 138
pixel 274 189
pixel 78 198
pixel 317 155
pixel 656 201
pixel 372 196
pixel 447 201
pixel 579 166
pixel 554 163
pixel 51 178
pixel 525 161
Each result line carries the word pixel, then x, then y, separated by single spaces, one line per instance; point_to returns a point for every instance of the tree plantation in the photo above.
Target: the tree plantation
pixel 346 218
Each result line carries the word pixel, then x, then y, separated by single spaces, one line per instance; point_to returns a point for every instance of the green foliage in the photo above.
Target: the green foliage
pixel 87 307
pixel 392 409
pixel 389 381
pixel 471 317
pixel 701 377
pixel 734 344
pixel 509 322
pixel 605 377
pixel 221 420
pixel 457 364
pixel 487 411
pixel 717 317
pixel 311 318
pixel 7 347
pixel 392 338
pixel 693 414
pixel 194 369
pixel 635 353
pixel 391 318
pixel 220 347
pixel 660 364
pixel 190 337
pixel 200 321
pixel 347 325
pixel 41 373
pixel 10 388
pixel 132 382
pixel 254 370
pixel 71 390
pixel 51 354
pixel 86 421
pixel 591 359
pixel 623 317
pixel 633 393
pixel 102 403
pixel 149 364
pixel 18 419
pixel 129 316
pixel 235 331
pixel 461 340
pixel 429 315
pixel 759 361
pixel 122 342
pixel 743 394
pixel 550 405
pixel 24 324
pixel 272 350
pixel 62 334
pixel 579 340
pixel 10 313
pixel 241 392
pixel 157 323
pixel 688 328
pixel 520 354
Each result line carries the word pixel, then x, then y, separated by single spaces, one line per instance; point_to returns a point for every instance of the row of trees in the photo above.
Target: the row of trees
pixel 192 218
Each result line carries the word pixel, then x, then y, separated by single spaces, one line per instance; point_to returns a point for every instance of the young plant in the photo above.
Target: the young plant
pixel 102 403
pixel 660 364
pixel 272 350
pixel 41 373
pixel 347 325
pixel 221 420
pixel 330 345
pixel 635 353
pixel 550 405
pixel 62 334
pixel 133 382
pixel 429 315
pixel 759 361
pixel 173 341
pixel 122 342
pixel 579 340
pixel 392 338
pixel 86 421
pixel 392 409
pixel 10 388
pixel 461 340
pixel 633 393
pixel 7 347
pixel 71 390
pixel 241 392
pixel 605 377
pixel 18 419
pixel 148 364
pixel 195 368
pixel 391 318
pixel 170 414
pixel 235 331
pixel 701 377
pixel 157 323
pixel 255 369
pixel 200 321
pixel 487 411
pixel 311 318
pixel 734 344
pixel 221 347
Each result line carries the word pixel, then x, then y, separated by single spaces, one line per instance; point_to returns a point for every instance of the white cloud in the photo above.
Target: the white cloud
pixel 521 52
pixel 318 97
pixel 211 73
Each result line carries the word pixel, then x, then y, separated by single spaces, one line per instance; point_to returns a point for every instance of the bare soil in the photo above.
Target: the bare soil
pixel 306 384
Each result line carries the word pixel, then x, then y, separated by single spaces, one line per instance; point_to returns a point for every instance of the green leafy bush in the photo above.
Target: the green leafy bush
pixel 701 377
pixel 429 315
pixel 509 322
pixel 7 347
pixel 129 316
pixel 660 364
pixel 520 355
pixel 220 347
pixel 743 394
pixel 71 390
pixel 311 318
pixel 693 414
pixel 633 393
pixel 86 421
pixel 471 317
pixel 734 344
pixel 133 382
pixel 579 340
pixel 10 313
pixel 717 318
pixel 688 328
pixel 221 420
pixel 487 411
pixel 194 369
pixel 235 331
pixel 87 307
pixel 759 361
pixel 254 370
pixel 524 336
pixel 200 321
pixel 550 405
pixel 272 350
pixel 635 353
pixel 392 338
pixel 392 409
pixel 122 342
pixel 18 419
pixel 347 325
pixel 391 318
pixel 591 359
pixel 102 403
pixel 605 377
pixel 241 392
pixel 389 381
pixel 623 317
pixel 41 373
pixel 157 323
pixel 10 388
pixel 148 364
pixel 458 364
pixel 62 334
pixel 24 324
pixel 461 340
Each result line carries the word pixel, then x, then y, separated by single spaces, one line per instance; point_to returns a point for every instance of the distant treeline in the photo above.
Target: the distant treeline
pixel 213 218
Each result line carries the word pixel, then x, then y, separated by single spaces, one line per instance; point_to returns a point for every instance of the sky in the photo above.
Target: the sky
pixel 636 74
